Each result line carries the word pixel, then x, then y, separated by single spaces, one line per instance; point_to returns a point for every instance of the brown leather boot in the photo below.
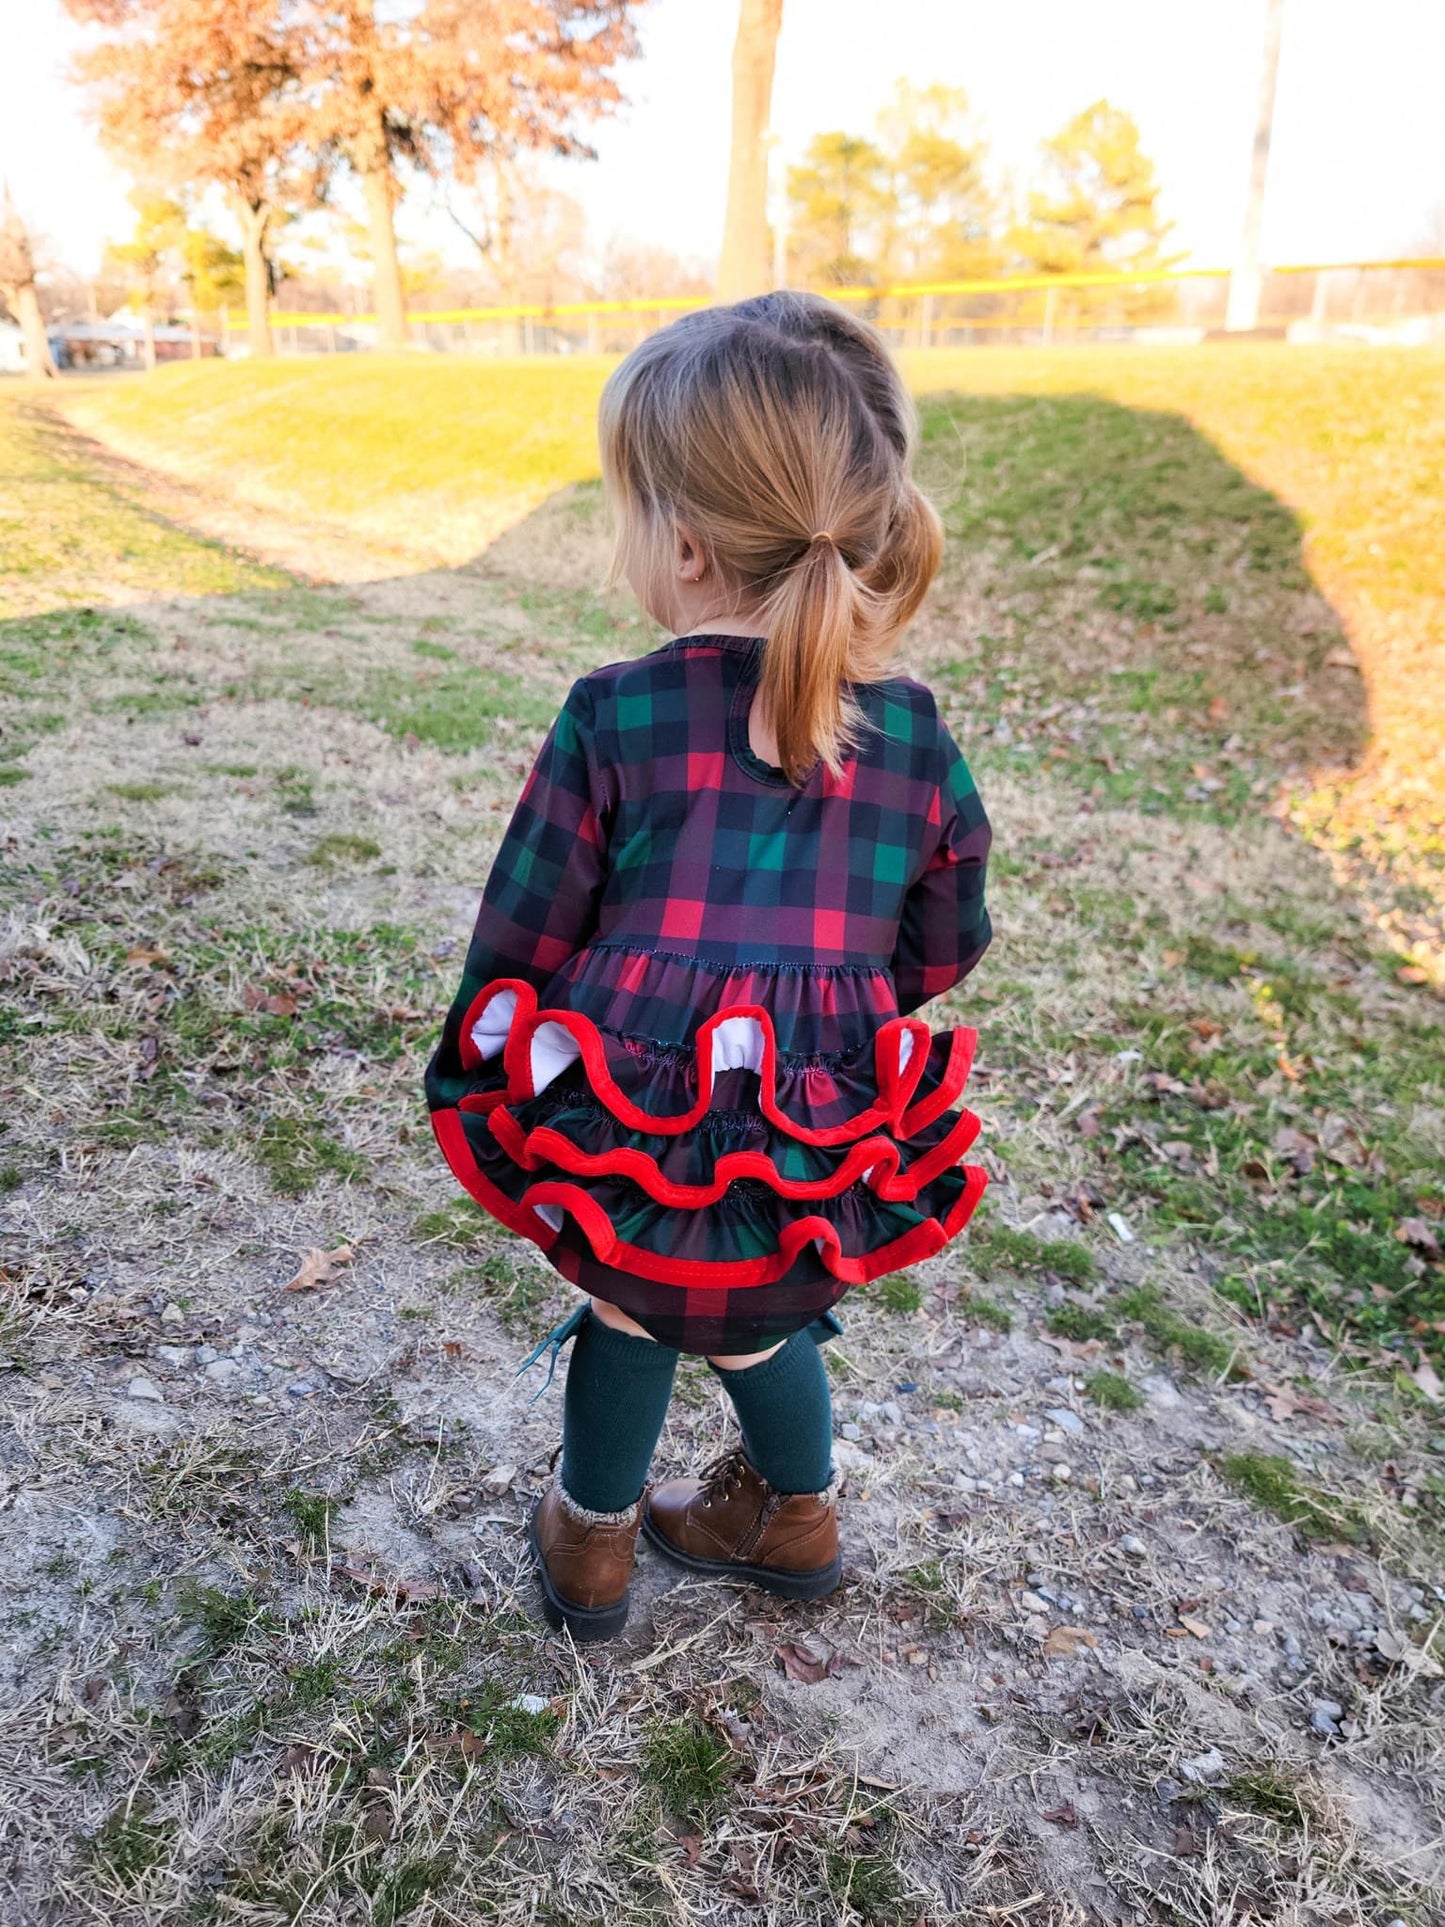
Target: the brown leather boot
pixel 733 1523
pixel 585 1563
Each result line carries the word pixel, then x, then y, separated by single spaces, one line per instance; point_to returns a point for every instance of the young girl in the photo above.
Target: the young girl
pixel 682 1060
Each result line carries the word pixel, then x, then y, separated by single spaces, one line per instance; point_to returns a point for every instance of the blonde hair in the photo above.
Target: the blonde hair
pixel 780 432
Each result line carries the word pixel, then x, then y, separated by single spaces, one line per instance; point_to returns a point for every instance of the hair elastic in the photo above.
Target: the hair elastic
pixel 822 535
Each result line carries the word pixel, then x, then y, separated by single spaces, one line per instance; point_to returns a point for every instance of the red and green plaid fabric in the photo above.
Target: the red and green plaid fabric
pixel 682 1058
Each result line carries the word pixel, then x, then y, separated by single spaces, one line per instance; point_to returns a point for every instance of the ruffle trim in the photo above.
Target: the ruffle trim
pixel 535 1045
pixel 547 1040
pixel 554 1197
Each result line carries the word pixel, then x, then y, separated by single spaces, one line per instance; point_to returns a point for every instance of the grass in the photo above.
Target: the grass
pixel 1273 1484
pixel 437 458
pixel 218 1012
pixel 899 1293
pixel 1113 1392
pixel 688 1766
pixel 1082 1322
pixel 998 1247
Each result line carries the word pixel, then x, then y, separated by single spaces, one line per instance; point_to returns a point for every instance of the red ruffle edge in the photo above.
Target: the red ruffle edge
pixel 879 1157
pixel 922 1241
pixel 894 1109
pixel 897 1082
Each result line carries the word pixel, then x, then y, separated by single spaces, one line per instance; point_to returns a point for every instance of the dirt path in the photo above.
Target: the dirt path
pixel 1140 1589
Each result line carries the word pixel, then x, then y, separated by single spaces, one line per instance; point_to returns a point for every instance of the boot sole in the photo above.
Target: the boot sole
pixel 816 1584
pixel 585 1623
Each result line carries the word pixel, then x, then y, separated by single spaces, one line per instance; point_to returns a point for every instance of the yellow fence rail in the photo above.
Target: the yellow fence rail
pixel 908 290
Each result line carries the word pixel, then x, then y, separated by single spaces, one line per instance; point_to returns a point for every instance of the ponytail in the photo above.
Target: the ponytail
pixel 815 619
pixel 781 433
pixel 910 558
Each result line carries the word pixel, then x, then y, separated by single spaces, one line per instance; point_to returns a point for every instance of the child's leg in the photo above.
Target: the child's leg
pixel 785 1412
pixel 618 1388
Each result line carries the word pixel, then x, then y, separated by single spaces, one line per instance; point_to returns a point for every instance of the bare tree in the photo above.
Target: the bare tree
pixel 18 291
pixel 745 265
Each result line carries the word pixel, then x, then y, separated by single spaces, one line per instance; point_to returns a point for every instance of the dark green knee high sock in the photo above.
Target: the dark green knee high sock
pixel 786 1415
pixel 618 1389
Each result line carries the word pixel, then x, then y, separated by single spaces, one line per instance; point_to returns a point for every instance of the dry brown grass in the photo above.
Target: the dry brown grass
pixel 269 1634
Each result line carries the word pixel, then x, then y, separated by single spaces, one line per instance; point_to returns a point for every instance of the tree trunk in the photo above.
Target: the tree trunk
pixel 39 362
pixel 376 183
pixel 255 219
pixel 743 269
pixel 1246 277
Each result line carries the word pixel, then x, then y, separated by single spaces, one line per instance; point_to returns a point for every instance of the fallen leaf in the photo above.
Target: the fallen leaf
pixel 1404 1652
pixel 1419 1235
pixel 1427 1380
pixel 1196 1626
pixel 142 953
pixel 804 1665
pixel 1062 1642
pixel 1186 1844
pixel 1065 1816
pixel 320 1268
pixel 1218 709
pixel 406 1592
pixel 1412 974
pixel 470 1745
pixel 299 1759
pixel 1083 1349
pixel 1285 1403
pixel 273 1003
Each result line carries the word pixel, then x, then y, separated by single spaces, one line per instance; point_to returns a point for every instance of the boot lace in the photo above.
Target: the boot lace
pixel 723 1476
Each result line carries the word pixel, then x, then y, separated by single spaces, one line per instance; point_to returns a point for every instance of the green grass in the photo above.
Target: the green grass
pixel 1199 1348
pixel 458 710
pixel 341 848
pixel 868 1884
pixel 129 1844
pixel 296 1153
pixel 426 453
pixel 1082 1322
pixel 1113 1392
pixel 899 1293
pixel 312 1513
pixel 1271 1792
pixel 998 1247
pixel 1273 1485
pixel 982 1310
pixel 97 540
pixel 688 1766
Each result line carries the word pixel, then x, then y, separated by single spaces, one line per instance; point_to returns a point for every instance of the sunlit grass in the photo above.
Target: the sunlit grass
pixel 428 456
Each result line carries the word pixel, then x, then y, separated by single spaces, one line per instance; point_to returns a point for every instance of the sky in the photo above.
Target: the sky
pixel 1356 170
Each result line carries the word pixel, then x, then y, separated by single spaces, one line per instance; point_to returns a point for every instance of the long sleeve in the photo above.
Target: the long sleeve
pixel 945 928
pixel 541 899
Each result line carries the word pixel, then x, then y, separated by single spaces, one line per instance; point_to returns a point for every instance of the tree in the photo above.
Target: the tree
pixel 445 86
pixel 844 205
pixel 151 259
pixel 912 204
pixel 1098 209
pixel 18 290
pixel 168 263
pixel 744 268
pixel 204 91
pixel 945 211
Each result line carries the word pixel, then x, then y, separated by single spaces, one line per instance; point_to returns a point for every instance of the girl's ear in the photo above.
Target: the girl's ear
pixel 691 558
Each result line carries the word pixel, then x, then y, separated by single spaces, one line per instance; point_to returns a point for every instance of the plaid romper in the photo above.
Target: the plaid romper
pixel 682 1060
